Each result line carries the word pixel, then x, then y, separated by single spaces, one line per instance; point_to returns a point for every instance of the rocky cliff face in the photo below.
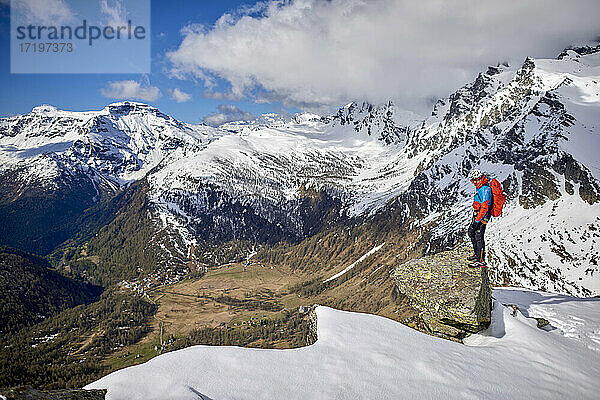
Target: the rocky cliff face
pixel 453 299
pixel 386 122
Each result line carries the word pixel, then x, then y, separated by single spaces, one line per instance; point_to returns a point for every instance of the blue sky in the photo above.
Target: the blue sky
pixel 22 92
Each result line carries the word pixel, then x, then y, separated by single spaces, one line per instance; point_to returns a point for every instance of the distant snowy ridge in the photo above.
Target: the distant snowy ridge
pixel 268 120
pixel 514 359
pixel 121 142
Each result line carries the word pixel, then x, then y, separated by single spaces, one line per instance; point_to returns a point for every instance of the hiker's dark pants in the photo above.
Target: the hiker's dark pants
pixel 476 232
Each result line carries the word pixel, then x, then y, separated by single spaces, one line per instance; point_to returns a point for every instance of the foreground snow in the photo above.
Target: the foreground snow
pixel 366 356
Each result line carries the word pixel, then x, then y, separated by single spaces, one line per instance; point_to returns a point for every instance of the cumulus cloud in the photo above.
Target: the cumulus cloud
pixel 180 96
pixel 130 89
pixel 312 53
pixel 227 113
pixel 43 12
pixel 217 95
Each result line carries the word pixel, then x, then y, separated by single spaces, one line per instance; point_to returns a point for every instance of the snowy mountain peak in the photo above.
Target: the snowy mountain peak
pixel 305 117
pixel 576 52
pixel 129 107
pixel 261 121
pixel 385 122
pixel 533 127
pixel 44 108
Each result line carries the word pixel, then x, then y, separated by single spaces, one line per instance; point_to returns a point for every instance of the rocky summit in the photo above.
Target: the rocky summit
pixel 454 300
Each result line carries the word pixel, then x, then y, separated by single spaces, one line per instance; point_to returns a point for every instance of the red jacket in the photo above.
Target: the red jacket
pixel 482 203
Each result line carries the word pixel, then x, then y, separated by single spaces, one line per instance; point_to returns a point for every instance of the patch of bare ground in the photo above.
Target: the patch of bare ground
pixel 227 295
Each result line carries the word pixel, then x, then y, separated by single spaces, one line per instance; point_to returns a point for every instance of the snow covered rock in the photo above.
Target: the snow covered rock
pixel 454 300
pixel 386 122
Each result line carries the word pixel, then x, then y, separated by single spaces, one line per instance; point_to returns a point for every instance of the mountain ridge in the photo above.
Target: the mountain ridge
pixel 533 126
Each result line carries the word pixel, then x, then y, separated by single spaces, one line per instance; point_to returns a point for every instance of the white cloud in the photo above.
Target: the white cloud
pixel 42 12
pixel 115 13
pixel 314 53
pixel 209 94
pixel 180 96
pixel 227 113
pixel 130 90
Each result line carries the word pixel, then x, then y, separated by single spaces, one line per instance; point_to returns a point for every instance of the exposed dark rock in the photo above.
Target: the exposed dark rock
pixel 573 171
pixel 378 120
pixel 313 334
pixel 454 300
pixel 28 393
pixel 542 322
pixel 539 185
pixel 581 50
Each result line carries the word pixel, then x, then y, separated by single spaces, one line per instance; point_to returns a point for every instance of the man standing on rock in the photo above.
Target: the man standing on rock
pixel 482 210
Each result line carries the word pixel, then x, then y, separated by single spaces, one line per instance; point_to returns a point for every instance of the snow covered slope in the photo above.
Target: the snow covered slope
pixel 369 357
pixel 269 174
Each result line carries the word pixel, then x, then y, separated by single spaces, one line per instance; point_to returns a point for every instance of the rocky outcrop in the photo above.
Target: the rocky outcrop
pixel 28 393
pixel 453 299
pixel 313 334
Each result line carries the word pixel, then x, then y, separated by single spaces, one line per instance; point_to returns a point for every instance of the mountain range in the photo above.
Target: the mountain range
pixel 130 194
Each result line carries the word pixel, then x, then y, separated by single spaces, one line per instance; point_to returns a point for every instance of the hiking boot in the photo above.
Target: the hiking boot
pixel 472 258
pixel 477 264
